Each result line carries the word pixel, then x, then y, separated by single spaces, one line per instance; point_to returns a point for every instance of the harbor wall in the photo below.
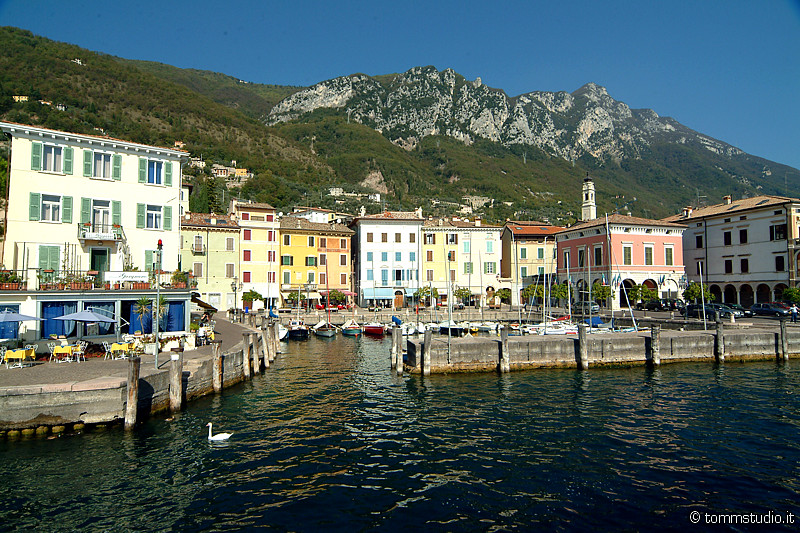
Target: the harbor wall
pixel 103 400
pixel 478 354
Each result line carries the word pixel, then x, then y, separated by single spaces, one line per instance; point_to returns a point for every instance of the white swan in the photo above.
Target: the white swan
pixel 218 436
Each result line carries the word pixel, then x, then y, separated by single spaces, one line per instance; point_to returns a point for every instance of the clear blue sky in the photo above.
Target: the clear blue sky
pixel 727 68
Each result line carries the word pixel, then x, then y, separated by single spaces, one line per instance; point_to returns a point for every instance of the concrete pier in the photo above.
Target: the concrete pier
pixel 481 354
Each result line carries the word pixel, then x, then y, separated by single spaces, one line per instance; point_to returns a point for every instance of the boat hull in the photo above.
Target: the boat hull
pixel 375 331
pixel 327 333
pixel 298 334
pixel 351 332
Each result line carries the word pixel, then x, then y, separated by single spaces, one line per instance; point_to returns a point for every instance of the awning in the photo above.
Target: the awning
pixel 201 303
pixel 314 295
pixel 379 294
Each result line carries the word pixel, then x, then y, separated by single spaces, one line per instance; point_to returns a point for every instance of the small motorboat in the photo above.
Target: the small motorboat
pixel 351 329
pixel 324 329
pixel 283 332
pixel 451 328
pixel 298 331
pixel 375 328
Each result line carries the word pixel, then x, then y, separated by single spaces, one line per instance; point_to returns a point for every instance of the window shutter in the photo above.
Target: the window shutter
pixel 48 257
pixel 116 167
pixel 87 163
pixel 142 170
pixel 36 156
pixel 116 212
pixel 168 174
pixel 148 260
pixel 86 210
pixel 67 160
pixel 33 211
pixel 168 218
pixel 140 215
pixel 66 209
pixel 456 238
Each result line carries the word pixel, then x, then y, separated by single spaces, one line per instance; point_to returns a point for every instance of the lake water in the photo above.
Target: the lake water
pixel 329 439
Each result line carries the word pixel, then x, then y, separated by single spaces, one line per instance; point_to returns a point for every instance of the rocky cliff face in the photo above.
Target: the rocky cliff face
pixel 424 101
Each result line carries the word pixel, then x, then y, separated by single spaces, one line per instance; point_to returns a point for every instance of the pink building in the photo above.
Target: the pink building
pixel 622 251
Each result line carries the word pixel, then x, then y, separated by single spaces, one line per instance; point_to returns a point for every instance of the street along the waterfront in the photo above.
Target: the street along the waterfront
pixel 328 438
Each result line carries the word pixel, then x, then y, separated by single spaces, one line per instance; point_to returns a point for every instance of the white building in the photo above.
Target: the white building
pixel 387 260
pixel 746 249
pixel 461 254
pixel 84 211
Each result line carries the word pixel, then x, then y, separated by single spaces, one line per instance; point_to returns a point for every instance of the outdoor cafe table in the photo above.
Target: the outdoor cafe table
pixel 121 348
pixel 20 355
pixel 63 353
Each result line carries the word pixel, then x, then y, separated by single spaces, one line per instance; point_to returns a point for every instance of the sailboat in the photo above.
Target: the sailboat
pixel 325 328
pixel 297 329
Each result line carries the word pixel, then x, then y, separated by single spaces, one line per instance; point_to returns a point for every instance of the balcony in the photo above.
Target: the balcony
pixel 198 249
pixel 88 231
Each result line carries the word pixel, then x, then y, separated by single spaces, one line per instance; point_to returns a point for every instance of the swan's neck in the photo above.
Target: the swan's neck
pixel 209 431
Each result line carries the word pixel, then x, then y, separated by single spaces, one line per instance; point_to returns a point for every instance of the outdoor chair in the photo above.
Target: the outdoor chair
pixel 51 346
pixel 107 350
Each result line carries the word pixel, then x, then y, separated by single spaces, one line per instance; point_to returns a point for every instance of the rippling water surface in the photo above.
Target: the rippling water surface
pixel 328 438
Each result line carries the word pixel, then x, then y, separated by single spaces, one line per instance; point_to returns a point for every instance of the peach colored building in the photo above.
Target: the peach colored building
pixel 622 251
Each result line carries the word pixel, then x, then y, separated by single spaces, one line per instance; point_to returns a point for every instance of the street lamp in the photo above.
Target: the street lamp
pixel 157 306
pixel 235 285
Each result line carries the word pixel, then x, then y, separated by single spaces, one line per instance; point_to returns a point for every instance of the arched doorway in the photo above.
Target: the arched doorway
pixel 763 294
pixel 399 299
pixel 778 291
pixel 746 297
pixel 729 296
pixel 625 286
pixel 716 293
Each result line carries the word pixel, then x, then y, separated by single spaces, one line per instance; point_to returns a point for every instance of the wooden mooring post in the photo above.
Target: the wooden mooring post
pixel 256 357
pixel 655 345
pixel 246 356
pixel 132 405
pixel 583 347
pixel 266 346
pixel 393 351
pixel 397 347
pixel 176 380
pixel 427 339
pixel 719 344
pixel 275 339
pixel 784 341
pixel 505 356
pixel 216 378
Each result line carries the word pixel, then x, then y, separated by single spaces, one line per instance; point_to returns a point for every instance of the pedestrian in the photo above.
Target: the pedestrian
pixel 794 310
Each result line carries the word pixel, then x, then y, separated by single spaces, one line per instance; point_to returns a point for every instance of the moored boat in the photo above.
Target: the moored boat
pixel 375 328
pixel 351 328
pixel 298 331
pixel 324 329
pixel 454 329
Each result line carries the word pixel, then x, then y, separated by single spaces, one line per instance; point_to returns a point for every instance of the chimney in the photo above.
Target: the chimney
pixel 727 199
pixel 441 222
pixel 687 211
pixel 477 222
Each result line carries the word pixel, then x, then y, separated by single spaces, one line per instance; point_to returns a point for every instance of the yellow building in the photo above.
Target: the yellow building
pixel 460 254
pixel 210 248
pixel 258 257
pixel 315 258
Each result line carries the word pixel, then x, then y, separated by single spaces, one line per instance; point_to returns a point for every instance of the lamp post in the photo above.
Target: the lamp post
pixel 157 306
pixel 235 285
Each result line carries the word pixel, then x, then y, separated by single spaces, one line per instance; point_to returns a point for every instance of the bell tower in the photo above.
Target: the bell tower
pixel 588 207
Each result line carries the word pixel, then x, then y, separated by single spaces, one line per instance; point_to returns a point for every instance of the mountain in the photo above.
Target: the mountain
pixel 421 138
pixel 586 126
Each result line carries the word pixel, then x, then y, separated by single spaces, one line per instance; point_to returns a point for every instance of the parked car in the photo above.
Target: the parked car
pixel 771 309
pixel 587 307
pixel 696 311
pixel 649 305
pixel 725 311
pixel 744 310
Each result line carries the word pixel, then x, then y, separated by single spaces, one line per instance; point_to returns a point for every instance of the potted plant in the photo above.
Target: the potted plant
pixel 179 279
pixel 250 296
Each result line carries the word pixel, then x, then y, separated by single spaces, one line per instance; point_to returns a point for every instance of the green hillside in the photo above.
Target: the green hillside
pixel 220 119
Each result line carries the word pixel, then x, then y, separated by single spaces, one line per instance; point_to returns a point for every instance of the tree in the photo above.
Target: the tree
pixel 791 294
pixel 532 291
pixel 336 296
pixel 560 291
pixel 252 295
pixel 462 294
pixel 423 293
pixel 601 292
pixel 693 293
pixel 504 295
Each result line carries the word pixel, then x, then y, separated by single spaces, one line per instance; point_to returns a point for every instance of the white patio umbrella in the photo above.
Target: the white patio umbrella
pixel 13 316
pixel 86 317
